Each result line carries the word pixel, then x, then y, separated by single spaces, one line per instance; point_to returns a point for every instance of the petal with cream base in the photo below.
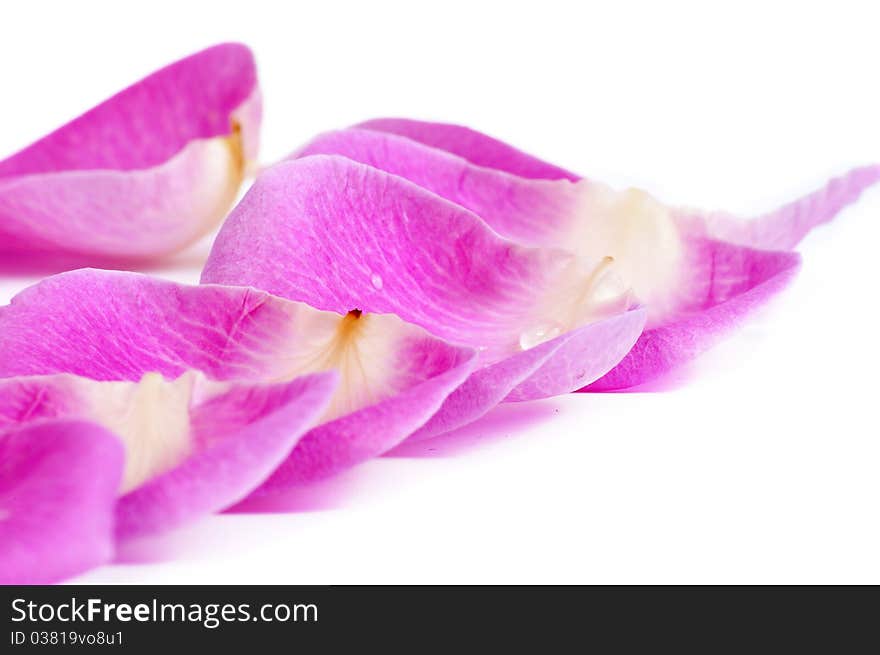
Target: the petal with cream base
pixel 678 262
pixel 337 234
pixel 141 175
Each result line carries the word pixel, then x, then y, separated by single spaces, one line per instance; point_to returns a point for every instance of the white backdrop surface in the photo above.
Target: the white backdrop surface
pixel 757 464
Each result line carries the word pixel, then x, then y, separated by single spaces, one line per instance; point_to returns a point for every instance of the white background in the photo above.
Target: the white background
pixel 759 464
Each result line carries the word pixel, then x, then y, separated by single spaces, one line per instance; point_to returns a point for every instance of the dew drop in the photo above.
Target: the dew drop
pixel 4 514
pixel 538 335
pixel 608 286
pixel 376 281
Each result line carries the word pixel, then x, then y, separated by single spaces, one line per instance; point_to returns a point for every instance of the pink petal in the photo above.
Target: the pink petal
pixel 337 235
pixel 57 491
pixel 673 257
pixel 110 326
pixel 143 174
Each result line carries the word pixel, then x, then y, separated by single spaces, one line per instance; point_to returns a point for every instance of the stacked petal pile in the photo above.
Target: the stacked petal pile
pixel 395 280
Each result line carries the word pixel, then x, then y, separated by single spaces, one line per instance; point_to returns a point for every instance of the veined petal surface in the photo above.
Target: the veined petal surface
pixel 141 175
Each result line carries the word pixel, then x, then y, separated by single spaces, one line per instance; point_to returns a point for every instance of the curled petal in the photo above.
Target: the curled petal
pixel 57 492
pixel 141 175
pixel 337 234
pixel 681 263
pixel 142 337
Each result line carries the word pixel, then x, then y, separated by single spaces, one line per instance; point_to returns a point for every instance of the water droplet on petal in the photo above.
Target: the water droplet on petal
pixel 4 514
pixel 376 281
pixel 603 293
pixel 538 335
pixel 609 285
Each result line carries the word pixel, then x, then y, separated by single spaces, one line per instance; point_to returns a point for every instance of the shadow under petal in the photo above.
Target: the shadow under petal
pixel 206 537
pixel 339 490
pixel 318 496
pixel 676 378
pixel 157 548
pixel 27 264
pixel 30 264
pixel 498 424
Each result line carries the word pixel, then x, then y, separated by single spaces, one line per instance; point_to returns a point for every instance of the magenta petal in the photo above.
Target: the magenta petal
pixel 688 267
pixel 57 492
pixel 143 174
pixel 243 435
pixel 341 235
